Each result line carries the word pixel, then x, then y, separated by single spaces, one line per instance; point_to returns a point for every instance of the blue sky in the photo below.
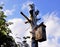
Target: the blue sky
pixel 49 12
pixel 44 6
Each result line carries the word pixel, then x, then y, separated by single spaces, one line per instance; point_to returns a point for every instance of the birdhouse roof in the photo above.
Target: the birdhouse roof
pixel 41 24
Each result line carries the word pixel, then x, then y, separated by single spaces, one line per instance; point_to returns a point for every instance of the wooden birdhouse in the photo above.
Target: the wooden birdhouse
pixel 40 33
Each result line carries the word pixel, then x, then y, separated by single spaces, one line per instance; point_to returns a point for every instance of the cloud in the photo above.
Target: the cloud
pixel 18 28
pixel 25 5
pixel 1 2
pixel 52 22
pixel 8 12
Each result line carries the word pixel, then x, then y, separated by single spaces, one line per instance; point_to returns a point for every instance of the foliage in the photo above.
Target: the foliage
pixel 5 39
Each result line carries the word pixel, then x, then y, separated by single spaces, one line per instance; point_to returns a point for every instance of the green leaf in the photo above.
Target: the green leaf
pixel 3 32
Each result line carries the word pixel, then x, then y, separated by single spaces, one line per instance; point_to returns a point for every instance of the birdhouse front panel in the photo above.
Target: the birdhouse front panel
pixel 40 33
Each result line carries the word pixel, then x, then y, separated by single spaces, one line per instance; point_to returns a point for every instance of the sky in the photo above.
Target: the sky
pixel 49 12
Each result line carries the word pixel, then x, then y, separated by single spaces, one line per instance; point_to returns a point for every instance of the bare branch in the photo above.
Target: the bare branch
pixel 38 19
pixel 25 17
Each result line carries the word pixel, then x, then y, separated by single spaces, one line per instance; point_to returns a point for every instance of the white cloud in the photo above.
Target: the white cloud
pixel 9 12
pixel 1 3
pixel 25 5
pixel 18 28
pixel 52 22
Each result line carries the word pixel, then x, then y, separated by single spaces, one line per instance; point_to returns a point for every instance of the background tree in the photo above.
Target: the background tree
pixel 5 39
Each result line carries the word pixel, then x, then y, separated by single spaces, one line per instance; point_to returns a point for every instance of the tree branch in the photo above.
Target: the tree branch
pixel 25 16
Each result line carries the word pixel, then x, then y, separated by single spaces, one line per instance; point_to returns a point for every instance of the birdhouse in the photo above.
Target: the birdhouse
pixel 40 33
